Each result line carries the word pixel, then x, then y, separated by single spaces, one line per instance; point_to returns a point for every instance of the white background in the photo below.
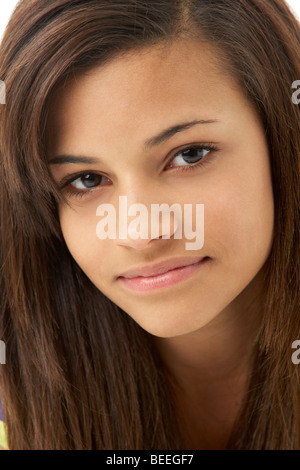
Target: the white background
pixel 7 7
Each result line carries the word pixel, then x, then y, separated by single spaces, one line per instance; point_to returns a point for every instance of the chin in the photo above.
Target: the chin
pixel 171 328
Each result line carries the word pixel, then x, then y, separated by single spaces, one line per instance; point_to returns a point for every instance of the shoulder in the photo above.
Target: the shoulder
pixel 3 438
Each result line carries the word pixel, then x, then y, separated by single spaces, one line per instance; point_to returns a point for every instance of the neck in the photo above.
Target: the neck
pixel 210 369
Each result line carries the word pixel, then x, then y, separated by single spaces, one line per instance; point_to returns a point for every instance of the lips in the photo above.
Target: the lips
pixel 160 268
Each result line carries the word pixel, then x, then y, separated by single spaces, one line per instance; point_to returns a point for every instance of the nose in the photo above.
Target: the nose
pixel 140 237
pixel 140 224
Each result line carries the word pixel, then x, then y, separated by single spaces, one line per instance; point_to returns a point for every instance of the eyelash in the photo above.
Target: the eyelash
pixel 81 193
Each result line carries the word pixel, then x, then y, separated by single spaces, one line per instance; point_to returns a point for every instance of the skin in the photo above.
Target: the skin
pixel 204 327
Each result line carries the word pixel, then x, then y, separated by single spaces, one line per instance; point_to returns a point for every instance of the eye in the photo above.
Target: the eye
pixel 88 181
pixel 187 159
pixel 190 155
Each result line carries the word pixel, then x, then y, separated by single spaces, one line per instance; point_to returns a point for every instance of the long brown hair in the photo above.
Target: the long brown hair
pixel 80 373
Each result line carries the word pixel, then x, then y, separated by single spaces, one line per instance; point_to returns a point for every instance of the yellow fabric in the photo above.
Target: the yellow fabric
pixel 3 440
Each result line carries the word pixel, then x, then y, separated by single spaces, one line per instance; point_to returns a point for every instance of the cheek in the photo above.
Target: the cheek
pixel 239 218
pixel 79 231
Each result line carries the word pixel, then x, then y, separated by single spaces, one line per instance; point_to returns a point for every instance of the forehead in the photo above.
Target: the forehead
pixel 144 88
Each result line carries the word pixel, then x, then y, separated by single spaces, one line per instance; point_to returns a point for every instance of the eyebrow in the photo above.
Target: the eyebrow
pixel 152 142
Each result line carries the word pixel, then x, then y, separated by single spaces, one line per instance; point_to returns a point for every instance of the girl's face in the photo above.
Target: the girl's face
pixel 108 116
